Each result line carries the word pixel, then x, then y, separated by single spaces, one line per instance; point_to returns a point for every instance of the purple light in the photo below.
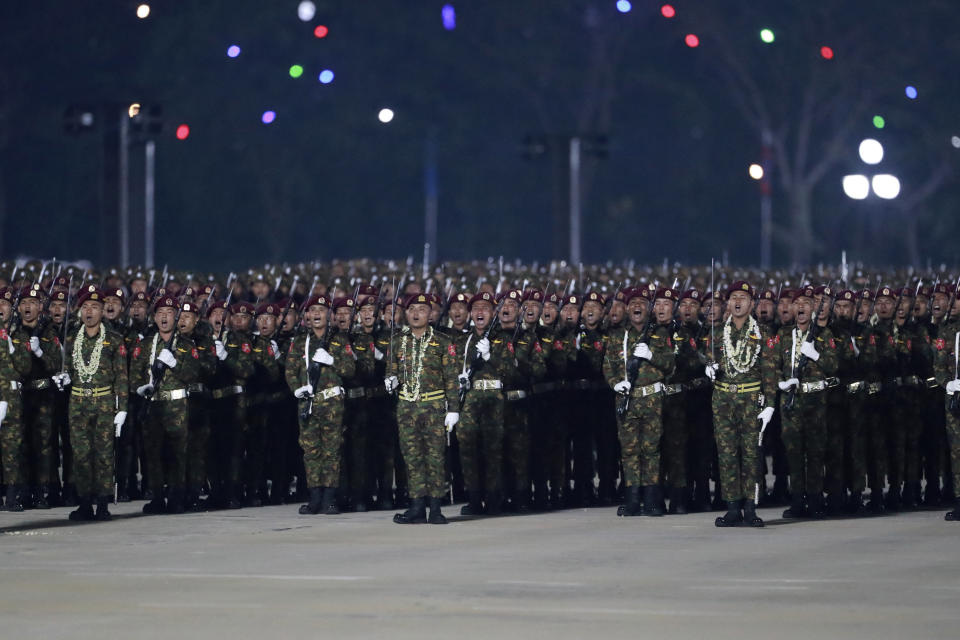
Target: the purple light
pixel 326 76
pixel 268 117
pixel 449 17
pixel 233 51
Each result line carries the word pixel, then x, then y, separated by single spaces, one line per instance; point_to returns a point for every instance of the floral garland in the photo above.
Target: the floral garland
pixel 411 393
pixel 740 358
pixel 798 340
pixel 86 371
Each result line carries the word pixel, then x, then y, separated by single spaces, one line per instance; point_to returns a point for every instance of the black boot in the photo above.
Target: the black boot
pixel 329 504
pixel 175 501
pixel 473 506
pixel 102 514
pixel 233 497
pixel 40 498
pixel 385 500
pixel 732 518
pixel 797 509
pixel 70 495
pixel 780 495
pixel 494 503
pixel 313 506
pixel 13 498
pixel 893 498
pixel 416 514
pixel 750 517
pixel 435 516
pixel 359 502
pixel 911 495
pixel 857 505
pixel 652 501
pixel 678 500
pixel 156 504
pixel 701 497
pixel 632 506
pixel 84 512
pixel 953 516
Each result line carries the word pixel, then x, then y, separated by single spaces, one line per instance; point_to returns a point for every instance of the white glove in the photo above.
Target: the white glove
pixel 322 356
pixel 786 384
pixel 810 351
pixel 711 370
pixel 391 383
pixel 145 391
pixel 276 349
pixel 118 421
pixel 451 420
pixel 577 341
pixel 61 380
pixel 642 351
pixel 221 350
pixel 3 410
pixel 622 387
pixel 483 348
pixel 853 343
pixel 765 416
pixel 377 354
pixel 953 386
pixel 463 379
pixel 167 358
pixel 35 347
pixel 10 348
pixel 304 392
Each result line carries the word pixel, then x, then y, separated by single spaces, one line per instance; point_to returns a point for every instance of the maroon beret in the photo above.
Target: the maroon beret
pixel 553 298
pixel 368 290
pixel 886 292
pixel 340 303
pixel 417 298
pixel 483 296
pixel 823 290
pixel 241 307
pixel 865 294
pixel 460 297
pixel 846 294
pixel 692 294
pixel 114 293
pixel 316 300
pixel 533 294
pixel 165 302
pixel 741 285
pixel 512 294
pixel 667 294
pixel 594 296
pixel 804 292
pixel 91 292
pixel 189 307
pixel 270 309
pixel 219 304
pixel 6 293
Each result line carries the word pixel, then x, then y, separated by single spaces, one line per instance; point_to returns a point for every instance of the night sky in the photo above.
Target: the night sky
pixel 327 179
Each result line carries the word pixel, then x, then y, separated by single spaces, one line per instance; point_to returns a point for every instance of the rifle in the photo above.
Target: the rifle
pixel 447 294
pixel 633 363
pixel 464 387
pixel 812 334
pixel 66 323
pixel 226 306
pixel 157 369
pixel 953 299
pixel 315 368
pixel 286 308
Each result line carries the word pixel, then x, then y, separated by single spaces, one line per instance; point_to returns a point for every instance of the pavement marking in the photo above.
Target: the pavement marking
pixel 222 576
pixel 531 610
pixel 535 583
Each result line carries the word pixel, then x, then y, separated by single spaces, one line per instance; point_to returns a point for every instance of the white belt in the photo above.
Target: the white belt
pixel 332 392
pixel 813 387
pixel 356 392
pixel 15 385
pixel 486 385
pixel 515 394
pixel 672 389
pixel 649 390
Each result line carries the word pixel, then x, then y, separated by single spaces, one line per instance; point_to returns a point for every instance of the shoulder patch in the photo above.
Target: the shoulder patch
pixel 510 346
pixel 833 345
pixel 557 345
pixel 452 350
pixel 122 350
pixel 873 339
pixel 195 353
pixel 136 351
pixel 347 349
pixel 537 347
pixel 941 344
pixel 693 343
pixel 3 334
pixel 245 347
pixel 771 343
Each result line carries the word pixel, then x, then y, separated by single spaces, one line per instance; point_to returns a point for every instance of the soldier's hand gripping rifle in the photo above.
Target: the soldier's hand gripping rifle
pixel 633 363
pixel 158 368
pixel 314 369
pixel 467 377
pixel 812 334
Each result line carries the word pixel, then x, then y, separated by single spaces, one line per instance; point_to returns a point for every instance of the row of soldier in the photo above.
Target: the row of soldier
pixel 648 396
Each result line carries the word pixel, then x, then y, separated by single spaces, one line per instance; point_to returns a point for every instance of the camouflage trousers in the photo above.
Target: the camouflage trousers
pixel 91 435
pixel 165 442
pixel 640 432
pixel 422 442
pixel 701 446
pixel 805 439
pixel 737 433
pixel 903 437
pixel 228 433
pixel 321 438
pixel 934 448
pixel 953 437
pixel 382 428
pixel 855 442
pixel 38 436
pixel 673 463
pixel 547 436
pixel 354 470
pixel 11 438
pixel 516 446
pixel 198 437
pixel 480 432
pixel 835 453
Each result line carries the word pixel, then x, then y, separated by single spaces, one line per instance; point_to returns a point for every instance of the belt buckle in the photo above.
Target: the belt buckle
pixel 88 393
pixel 733 388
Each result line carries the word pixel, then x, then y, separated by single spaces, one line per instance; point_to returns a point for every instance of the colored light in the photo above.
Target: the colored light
pixel 268 117
pixel 856 187
pixel 871 151
pixel 826 53
pixel 183 132
pixel 143 11
pixel 955 141
pixel 766 35
pixel 321 31
pixel 755 171
pixel 385 115
pixel 326 76
pixel 667 11
pixel 911 92
pixel 133 109
pixel 296 71
pixel 885 186
pixel 306 10
pixel 624 6
pixel 449 16
pixel 233 51
pixel 692 40
pixel 879 122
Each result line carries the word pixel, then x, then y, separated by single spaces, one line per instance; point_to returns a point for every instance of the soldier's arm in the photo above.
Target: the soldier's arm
pixel 613 367
pixel 121 378
pixel 21 356
pixel 827 346
pixel 139 363
pixel 264 358
pixel 293 369
pixel 448 365
pixel 504 359
pixel 344 360
pixel 208 358
pixel 366 363
pixel 663 359
pixel 536 358
pixel 188 361
pixel 52 356
pixel 770 368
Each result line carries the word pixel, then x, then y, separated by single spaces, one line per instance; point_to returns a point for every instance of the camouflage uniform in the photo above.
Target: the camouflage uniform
pixel 39 398
pixel 587 390
pixel 265 390
pixel 547 423
pixel 945 368
pixel 229 419
pixel 198 429
pixel 531 367
pixel 676 424
pixel 912 343
pixel 883 406
pixel 382 424
pixel 356 423
pixel 13 367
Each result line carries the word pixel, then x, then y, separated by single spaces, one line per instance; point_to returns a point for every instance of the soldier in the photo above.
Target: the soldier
pixel 15 364
pixel 198 405
pixel 423 369
pixel 675 401
pixel 699 453
pixel 267 390
pixel 635 366
pixel 458 331
pixel 316 365
pixel 947 368
pixel 161 369
pixel 96 371
pixel 131 452
pixel 934 443
pixel 885 371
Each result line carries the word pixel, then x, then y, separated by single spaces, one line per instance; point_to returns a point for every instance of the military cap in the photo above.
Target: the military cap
pixel 417 298
pixel 886 292
pixel 767 294
pixel 715 295
pixel 140 296
pixel 865 294
pixel 483 296
pixel 206 290
pixel 742 285
pixel 316 300
pixel 573 299
pixel 60 294
pixel 165 302
pixel 189 292
pixel 594 296
pixel 159 293
pixel 636 292
pixel 906 292
pixel 620 295
pixel 942 287
pixel 804 292
pixel 460 296
pixel 364 301
pixel 340 303
pixel 553 298
pixel 259 276
pixel 189 307
pixel 692 294
pixel 138 275
pixel 61 282
pixel 786 294
pixel 241 307
pixel 846 294
pixel 533 294
pixel 219 304
pixel 666 293
pixel 32 291
pixel 6 293
pixel 925 292
pixel 823 290
pixel 648 291
pixel 368 290
pixel 511 294
pixel 114 293
pixel 269 309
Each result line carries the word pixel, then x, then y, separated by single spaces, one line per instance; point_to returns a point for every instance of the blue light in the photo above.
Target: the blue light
pixel 624 6
pixel 326 76
pixel 268 117
pixel 911 92
pixel 449 17
pixel 233 51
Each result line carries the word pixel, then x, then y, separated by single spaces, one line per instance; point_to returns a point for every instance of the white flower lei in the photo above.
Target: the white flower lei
pixel 798 340
pixel 86 371
pixel 411 393
pixel 739 358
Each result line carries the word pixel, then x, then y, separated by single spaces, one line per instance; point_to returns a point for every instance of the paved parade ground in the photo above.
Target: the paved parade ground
pixel 271 573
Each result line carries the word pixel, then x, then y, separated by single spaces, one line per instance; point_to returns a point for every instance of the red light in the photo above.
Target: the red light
pixel 321 31
pixel 183 132
pixel 692 40
pixel 827 53
pixel 668 11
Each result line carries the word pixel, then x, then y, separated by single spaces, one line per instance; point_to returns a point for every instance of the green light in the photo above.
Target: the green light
pixel 296 71
pixel 879 122
pixel 766 35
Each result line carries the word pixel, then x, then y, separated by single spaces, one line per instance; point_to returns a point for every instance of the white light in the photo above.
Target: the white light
pixel 856 186
pixel 871 151
pixel 955 141
pixel 133 109
pixel 755 171
pixel 886 186
pixel 306 10
pixel 143 11
pixel 86 119
pixel 385 115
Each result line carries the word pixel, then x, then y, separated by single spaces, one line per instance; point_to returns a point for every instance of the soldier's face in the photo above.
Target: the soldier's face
pixel 905 307
pixel 188 322
pixel 260 289
pixel 509 311
pixel 884 307
pixel 458 314
pixel 663 310
pixel 740 304
pixel 920 308
pixel 342 317
pixel 956 307
pixel 550 313
pixel 418 315
pixel 368 316
pixel 765 309
pixel 29 309
pixel 803 309
pixel 5 309
pixel 481 313
pixel 91 312
pixel 435 310
pixel 216 319
pixel 637 312
pixel 592 313
pixel 843 309
pixel 138 311
pixel 862 310
pixel 940 302
pixel 618 311
pixel 137 286
pixel 291 321
pixel 267 324
pixel 112 307
pixel 240 321
pixel 164 319
pixel 317 316
pixel 689 309
pixel 531 311
pixel 785 311
pixel 570 315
